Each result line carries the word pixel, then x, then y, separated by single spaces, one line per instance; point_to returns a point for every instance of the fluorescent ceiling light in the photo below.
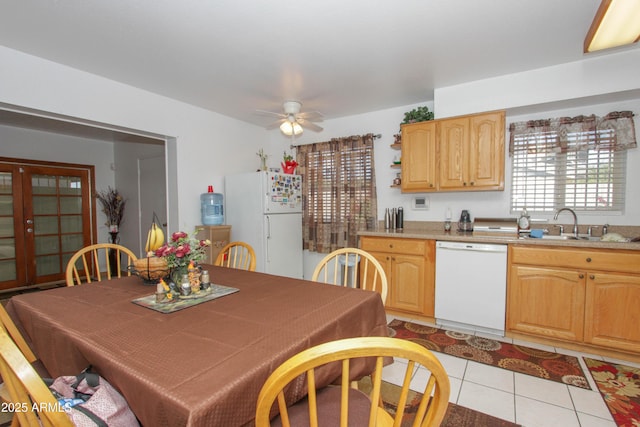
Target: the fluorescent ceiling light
pixel 291 128
pixel 617 23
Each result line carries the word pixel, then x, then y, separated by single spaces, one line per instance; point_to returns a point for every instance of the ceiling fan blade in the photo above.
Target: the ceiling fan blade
pixel 275 124
pixel 308 125
pixel 312 116
pixel 269 114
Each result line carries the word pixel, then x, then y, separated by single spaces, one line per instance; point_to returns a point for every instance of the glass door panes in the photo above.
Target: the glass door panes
pixel 51 220
pixel 8 264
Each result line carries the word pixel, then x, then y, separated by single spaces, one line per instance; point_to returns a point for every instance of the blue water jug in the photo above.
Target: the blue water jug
pixel 212 207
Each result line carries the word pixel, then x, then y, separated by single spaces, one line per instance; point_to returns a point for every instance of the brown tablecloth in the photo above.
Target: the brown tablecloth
pixel 202 366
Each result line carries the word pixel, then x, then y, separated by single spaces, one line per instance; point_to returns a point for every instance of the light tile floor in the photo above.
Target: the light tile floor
pixel 519 398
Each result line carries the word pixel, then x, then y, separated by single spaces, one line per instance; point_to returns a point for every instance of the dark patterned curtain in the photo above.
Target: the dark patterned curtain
pixel 339 192
pixel 615 132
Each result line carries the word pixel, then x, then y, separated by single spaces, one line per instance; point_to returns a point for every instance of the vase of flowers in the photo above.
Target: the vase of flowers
pixel 288 165
pixel 180 251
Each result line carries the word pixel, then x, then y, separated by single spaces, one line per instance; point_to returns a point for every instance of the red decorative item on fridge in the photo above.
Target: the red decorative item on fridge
pixel 289 166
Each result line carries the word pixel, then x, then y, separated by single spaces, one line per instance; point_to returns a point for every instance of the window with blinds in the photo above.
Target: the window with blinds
pixel 340 190
pixel 553 168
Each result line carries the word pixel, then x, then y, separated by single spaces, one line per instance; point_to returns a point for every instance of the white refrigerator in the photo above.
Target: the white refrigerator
pixel 264 210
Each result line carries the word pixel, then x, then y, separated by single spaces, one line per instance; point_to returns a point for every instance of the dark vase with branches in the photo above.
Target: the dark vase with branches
pixel 113 207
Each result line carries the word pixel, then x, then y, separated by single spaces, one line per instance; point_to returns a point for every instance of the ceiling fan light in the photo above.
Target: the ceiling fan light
pixel 290 128
pixel 617 23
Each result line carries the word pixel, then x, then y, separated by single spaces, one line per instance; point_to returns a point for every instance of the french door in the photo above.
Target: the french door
pixel 46 215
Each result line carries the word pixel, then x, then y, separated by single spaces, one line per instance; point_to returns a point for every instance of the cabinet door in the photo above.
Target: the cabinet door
pixel 454 143
pixel 385 261
pixel 486 151
pixel 407 276
pixel 611 311
pixel 546 302
pixel 419 157
pixel 219 235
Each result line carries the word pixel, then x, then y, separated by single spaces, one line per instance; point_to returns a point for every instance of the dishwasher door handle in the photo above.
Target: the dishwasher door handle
pixel 471 249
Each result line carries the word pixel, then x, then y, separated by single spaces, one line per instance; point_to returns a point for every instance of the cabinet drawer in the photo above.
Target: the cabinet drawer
pixel 584 259
pixel 400 246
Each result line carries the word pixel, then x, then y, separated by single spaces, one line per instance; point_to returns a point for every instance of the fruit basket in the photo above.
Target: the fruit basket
pixel 150 268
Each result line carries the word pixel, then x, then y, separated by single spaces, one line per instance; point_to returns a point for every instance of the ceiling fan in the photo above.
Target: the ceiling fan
pixel 292 121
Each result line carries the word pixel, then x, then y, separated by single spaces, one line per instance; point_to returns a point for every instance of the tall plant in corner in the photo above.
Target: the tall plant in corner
pixel 113 207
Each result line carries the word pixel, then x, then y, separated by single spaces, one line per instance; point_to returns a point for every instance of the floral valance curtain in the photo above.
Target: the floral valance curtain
pixel 614 132
pixel 339 191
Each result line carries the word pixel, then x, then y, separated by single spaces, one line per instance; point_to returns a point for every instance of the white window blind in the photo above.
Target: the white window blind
pixel 578 163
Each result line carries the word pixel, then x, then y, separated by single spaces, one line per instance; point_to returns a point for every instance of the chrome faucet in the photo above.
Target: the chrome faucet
pixel 575 219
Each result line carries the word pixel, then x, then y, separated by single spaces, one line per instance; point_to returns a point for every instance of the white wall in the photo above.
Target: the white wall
pixel 207 145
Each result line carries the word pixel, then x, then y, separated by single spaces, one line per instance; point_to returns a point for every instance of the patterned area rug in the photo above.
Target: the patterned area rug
pixel 538 363
pixel 456 416
pixel 619 386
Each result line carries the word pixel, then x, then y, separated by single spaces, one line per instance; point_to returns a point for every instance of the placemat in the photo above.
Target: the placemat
pixel 216 291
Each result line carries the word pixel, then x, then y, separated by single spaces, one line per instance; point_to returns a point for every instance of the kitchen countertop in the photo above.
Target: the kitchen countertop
pixel 435 231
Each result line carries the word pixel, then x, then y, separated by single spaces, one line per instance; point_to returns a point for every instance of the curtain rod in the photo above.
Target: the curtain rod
pixel 376 136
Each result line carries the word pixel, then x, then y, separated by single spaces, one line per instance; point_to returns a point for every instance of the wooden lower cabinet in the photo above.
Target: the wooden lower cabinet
pixel 612 311
pixel 409 267
pixel 584 296
pixel 546 302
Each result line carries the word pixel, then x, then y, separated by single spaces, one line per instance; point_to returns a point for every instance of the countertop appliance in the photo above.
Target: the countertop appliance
pixel 471 286
pixel 265 211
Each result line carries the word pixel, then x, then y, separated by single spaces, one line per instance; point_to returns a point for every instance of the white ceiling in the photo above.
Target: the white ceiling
pixel 339 57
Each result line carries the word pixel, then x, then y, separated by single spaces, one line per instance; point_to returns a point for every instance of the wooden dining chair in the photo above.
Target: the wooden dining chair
pixel 342 404
pixel 7 324
pixel 26 390
pixel 85 265
pixel 237 255
pixel 352 266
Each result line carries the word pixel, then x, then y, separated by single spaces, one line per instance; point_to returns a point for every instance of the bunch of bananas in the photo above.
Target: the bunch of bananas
pixel 155 236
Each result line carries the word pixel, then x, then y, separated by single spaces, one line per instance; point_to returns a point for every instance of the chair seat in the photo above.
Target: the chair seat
pixel 329 409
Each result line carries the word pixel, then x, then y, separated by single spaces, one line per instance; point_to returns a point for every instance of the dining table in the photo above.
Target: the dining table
pixel 203 365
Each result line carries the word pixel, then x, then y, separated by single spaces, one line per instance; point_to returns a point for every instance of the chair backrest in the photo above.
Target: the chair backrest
pixel 433 403
pixel 7 324
pixel 26 389
pixel 84 266
pixel 237 255
pixel 352 266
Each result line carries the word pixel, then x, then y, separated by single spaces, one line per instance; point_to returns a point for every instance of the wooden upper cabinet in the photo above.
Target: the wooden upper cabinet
pixel 419 157
pixel 454 148
pixel 472 153
pixel 457 154
pixel 486 151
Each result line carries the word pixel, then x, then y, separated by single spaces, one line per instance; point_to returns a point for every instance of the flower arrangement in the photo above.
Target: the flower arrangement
pixel 182 249
pixel 113 207
pixel 289 165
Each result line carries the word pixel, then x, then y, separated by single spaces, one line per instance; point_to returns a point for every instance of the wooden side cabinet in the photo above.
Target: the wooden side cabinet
pixel 409 267
pixel 219 235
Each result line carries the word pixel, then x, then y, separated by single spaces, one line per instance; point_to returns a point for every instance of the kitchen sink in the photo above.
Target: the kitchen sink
pixel 567 237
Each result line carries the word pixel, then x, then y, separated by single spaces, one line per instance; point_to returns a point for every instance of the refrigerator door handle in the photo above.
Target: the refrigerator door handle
pixel 267 257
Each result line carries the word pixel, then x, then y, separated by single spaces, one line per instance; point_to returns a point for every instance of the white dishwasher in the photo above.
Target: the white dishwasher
pixel 471 286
